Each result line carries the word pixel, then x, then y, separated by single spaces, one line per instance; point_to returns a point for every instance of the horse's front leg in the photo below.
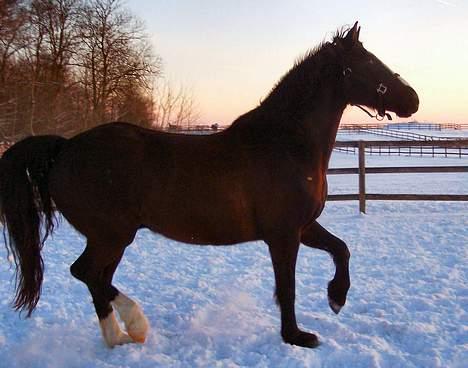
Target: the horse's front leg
pixel 283 255
pixel 315 236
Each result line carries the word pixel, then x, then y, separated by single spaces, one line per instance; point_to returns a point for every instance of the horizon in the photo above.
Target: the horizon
pixel 231 55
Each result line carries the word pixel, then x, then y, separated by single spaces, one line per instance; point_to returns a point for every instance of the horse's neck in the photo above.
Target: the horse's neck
pixel 321 125
pixel 312 124
pixel 302 114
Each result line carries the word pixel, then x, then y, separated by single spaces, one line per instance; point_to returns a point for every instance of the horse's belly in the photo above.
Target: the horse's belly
pixel 206 218
pixel 204 231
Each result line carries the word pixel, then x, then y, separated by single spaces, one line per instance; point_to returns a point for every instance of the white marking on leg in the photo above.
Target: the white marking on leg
pixel 132 316
pixel 112 333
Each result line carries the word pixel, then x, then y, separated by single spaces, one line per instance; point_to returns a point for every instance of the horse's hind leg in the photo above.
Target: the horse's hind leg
pixel 90 268
pixel 315 236
pixel 136 323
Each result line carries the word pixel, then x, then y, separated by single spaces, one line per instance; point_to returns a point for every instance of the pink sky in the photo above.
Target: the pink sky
pixel 231 53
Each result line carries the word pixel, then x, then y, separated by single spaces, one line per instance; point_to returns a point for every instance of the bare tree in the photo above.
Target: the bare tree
pixel 44 61
pixel 115 53
pixel 173 107
pixel 13 20
pixel 68 65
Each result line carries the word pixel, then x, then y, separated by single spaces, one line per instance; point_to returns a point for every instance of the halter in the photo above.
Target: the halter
pixel 381 90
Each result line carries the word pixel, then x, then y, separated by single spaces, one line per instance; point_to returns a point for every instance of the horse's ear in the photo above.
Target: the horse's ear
pixel 352 37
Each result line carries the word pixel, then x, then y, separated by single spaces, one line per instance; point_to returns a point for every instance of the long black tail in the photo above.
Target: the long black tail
pixel 27 211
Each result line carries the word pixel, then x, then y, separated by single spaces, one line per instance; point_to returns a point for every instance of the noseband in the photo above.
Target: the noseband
pixel 381 90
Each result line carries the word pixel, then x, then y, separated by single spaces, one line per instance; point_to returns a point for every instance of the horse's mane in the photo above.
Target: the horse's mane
pixel 306 69
pixel 339 34
pixel 305 76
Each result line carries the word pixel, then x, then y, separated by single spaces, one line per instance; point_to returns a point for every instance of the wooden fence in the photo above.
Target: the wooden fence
pixel 405 126
pixel 449 148
pixel 361 170
pixel 403 135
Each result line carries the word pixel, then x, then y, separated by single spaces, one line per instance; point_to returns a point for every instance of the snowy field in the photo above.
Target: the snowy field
pixel 213 307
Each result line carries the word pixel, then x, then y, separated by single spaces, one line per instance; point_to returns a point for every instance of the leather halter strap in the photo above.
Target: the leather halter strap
pixel 380 90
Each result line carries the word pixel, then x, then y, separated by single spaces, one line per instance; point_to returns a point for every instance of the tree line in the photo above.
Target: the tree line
pixel 69 65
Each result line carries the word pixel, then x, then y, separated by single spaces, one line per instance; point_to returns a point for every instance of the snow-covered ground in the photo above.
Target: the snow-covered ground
pixel 213 306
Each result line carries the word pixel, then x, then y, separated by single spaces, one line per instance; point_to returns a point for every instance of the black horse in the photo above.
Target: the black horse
pixel 263 178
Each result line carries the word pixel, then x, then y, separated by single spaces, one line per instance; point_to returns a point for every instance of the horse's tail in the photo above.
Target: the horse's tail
pixel 27 211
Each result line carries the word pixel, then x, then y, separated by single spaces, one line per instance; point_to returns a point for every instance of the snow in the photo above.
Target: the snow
pixel 213 306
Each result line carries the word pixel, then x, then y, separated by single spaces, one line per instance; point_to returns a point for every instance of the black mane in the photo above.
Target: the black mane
pixel 308 70
pixel 304 69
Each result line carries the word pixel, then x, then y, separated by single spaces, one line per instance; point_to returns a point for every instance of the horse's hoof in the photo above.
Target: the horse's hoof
pixel 303 339
pixel 111 332
pixel 120 339
pixel 135 321
pixel 138 328
pixel 335 307
pixel 140 339
pixel 336 296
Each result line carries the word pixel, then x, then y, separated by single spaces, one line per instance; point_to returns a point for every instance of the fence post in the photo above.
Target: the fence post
pixel 362 177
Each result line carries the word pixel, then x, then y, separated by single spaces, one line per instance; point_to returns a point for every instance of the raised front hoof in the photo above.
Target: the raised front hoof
pixel 335 307
pixel 303 339
pixel 336 296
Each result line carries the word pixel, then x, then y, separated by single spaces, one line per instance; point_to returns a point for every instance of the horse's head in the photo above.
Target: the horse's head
pixel 370 82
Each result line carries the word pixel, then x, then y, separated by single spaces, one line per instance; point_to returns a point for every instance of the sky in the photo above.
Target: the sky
pixel 229 54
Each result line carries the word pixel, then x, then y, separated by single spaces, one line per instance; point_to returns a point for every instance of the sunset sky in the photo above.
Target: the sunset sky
pixel 231 53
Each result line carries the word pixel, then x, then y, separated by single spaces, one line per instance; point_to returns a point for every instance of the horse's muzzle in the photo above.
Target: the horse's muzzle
pixel 410 106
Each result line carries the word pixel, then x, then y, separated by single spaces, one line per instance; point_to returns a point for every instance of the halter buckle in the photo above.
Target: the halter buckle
pixel 382 89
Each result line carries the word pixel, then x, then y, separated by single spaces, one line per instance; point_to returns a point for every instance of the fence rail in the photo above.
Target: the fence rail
pixel 402 134
pixel 406 126
pixel 445 148
pixel 361 170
